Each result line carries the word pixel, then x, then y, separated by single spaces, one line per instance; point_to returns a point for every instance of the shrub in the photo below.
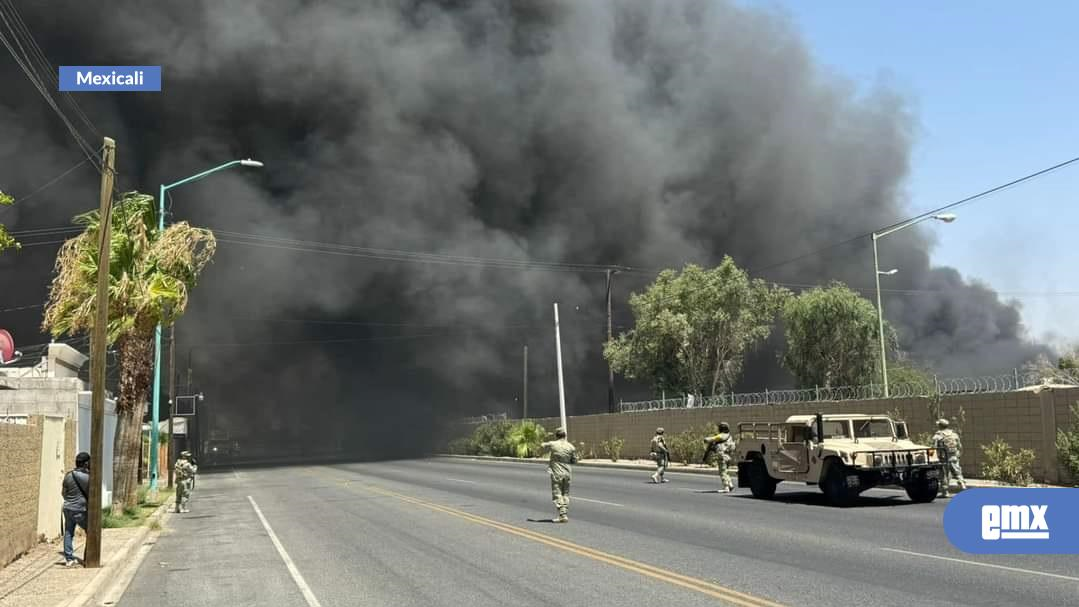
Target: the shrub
pixel 525 438
pixel 492 438
pixel 462 446
pixel 1068 445
pixel 613 447
pixel 584 451
pixel 1003 464
pixel 688 446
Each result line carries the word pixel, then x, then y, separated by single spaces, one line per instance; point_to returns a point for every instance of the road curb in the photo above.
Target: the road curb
pixel 91 590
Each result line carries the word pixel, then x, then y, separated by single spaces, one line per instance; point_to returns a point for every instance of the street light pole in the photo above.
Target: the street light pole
pixel 880 320
pixel 156 408
pixel 944 217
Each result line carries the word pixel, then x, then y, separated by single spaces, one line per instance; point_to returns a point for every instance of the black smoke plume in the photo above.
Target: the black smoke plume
pixel 644 134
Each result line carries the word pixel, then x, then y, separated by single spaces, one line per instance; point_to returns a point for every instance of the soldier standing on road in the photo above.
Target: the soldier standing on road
pixel 76 493
pixel 563 454
pixel 723 445
pixel 660 455
pixel 950 448
pixel 185 480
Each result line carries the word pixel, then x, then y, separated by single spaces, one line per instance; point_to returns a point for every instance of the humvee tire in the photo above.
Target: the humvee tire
pixel 761 485
pixel 834 486
pixel 923 491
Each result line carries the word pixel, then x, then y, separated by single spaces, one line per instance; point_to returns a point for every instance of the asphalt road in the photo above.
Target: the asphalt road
pixel 453 532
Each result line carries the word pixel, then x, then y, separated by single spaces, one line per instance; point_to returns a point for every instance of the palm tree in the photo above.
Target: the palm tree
pixel 151 273
pixel 525 438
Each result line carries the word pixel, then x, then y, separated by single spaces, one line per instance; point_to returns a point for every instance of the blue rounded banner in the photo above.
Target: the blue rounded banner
pixel 1014 521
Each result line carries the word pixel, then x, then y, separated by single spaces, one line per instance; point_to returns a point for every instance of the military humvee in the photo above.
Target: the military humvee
pixel 842 454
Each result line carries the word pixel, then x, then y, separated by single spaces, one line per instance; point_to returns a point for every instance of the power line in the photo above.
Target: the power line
pixel 380 324
pixel 401 255
pixel 48 231
pixel 51 182
pixel 47 66
pixel 29 307
pixel 936 211
pixel 330 341
pixel 26 64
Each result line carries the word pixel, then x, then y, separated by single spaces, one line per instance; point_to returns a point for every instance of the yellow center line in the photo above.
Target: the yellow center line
pixel 708 588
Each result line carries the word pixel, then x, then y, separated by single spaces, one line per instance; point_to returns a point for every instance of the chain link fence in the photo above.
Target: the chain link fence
pixel 988 384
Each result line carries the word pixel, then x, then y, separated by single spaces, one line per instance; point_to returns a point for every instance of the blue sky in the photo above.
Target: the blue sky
pixel 995 89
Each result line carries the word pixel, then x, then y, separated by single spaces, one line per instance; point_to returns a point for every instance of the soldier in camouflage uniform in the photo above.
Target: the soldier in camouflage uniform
pixel 184 472
pixel 563 454
pixel 950 448
pixel 660 455
pixel 723 445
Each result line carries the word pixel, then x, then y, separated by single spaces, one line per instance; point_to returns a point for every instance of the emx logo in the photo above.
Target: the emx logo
pixel 1014 521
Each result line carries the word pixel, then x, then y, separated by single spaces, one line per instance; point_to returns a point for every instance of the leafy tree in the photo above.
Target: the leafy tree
pixel 693 328
pixel 1068 445
pixel 1042 369
pixel 833 338
pixel 151 273
pixel 6 240
pixel 911 375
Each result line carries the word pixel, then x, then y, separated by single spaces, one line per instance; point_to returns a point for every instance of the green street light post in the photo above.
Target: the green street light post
pixel 155 409
pixel 946 218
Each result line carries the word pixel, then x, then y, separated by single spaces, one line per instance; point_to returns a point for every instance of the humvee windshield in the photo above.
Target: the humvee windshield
pixel 872 428
pixel 836 429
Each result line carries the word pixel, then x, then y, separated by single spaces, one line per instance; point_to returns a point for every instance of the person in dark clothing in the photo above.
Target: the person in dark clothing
pixel 76 492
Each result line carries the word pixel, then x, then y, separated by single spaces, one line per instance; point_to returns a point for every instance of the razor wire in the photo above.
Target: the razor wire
pixel 986 384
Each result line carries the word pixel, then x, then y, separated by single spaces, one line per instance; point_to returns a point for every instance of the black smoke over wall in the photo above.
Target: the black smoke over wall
pixel 619 132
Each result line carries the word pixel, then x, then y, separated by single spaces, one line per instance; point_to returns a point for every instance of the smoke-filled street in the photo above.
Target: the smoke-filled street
pixel 445 532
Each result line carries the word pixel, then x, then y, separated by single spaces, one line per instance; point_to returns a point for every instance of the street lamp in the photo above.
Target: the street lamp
pixel 247 162
pixel 877 273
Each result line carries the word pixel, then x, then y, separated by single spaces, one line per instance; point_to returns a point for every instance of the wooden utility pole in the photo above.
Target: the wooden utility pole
pixel 610 334
pixel 92 553
pixel 524 377
pixel 172 400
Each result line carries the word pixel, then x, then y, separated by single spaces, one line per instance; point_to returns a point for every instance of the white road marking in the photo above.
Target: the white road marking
pixel 296 577
pixel 461 480
pixel 585 499
pixel 990 565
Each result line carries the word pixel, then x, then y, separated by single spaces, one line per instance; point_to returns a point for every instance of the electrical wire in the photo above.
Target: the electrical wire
pixel 346 250
pixel 936 211
pixel 23 199
pixel 26 64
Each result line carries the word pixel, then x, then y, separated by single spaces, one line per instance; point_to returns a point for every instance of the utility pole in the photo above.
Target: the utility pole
pixel 172 400
pixel 524 377
pixel 610 335
pixel 92 553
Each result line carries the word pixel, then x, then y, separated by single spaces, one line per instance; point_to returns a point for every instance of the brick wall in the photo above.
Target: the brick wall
pixel 1025 420
pixel 20 469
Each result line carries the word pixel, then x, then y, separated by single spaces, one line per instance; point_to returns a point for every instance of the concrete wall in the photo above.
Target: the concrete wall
pixel 54 464
pixel 1025 420
pixel 20 470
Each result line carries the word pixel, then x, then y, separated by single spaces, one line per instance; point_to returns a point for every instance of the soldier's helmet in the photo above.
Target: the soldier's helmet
pixel 185 454
pixel 659 430
pixel 942 423
pixel 723 427
pixel 560 432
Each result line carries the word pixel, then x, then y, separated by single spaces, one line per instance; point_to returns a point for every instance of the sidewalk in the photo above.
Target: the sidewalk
pixel 650 466
pixel 39 579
